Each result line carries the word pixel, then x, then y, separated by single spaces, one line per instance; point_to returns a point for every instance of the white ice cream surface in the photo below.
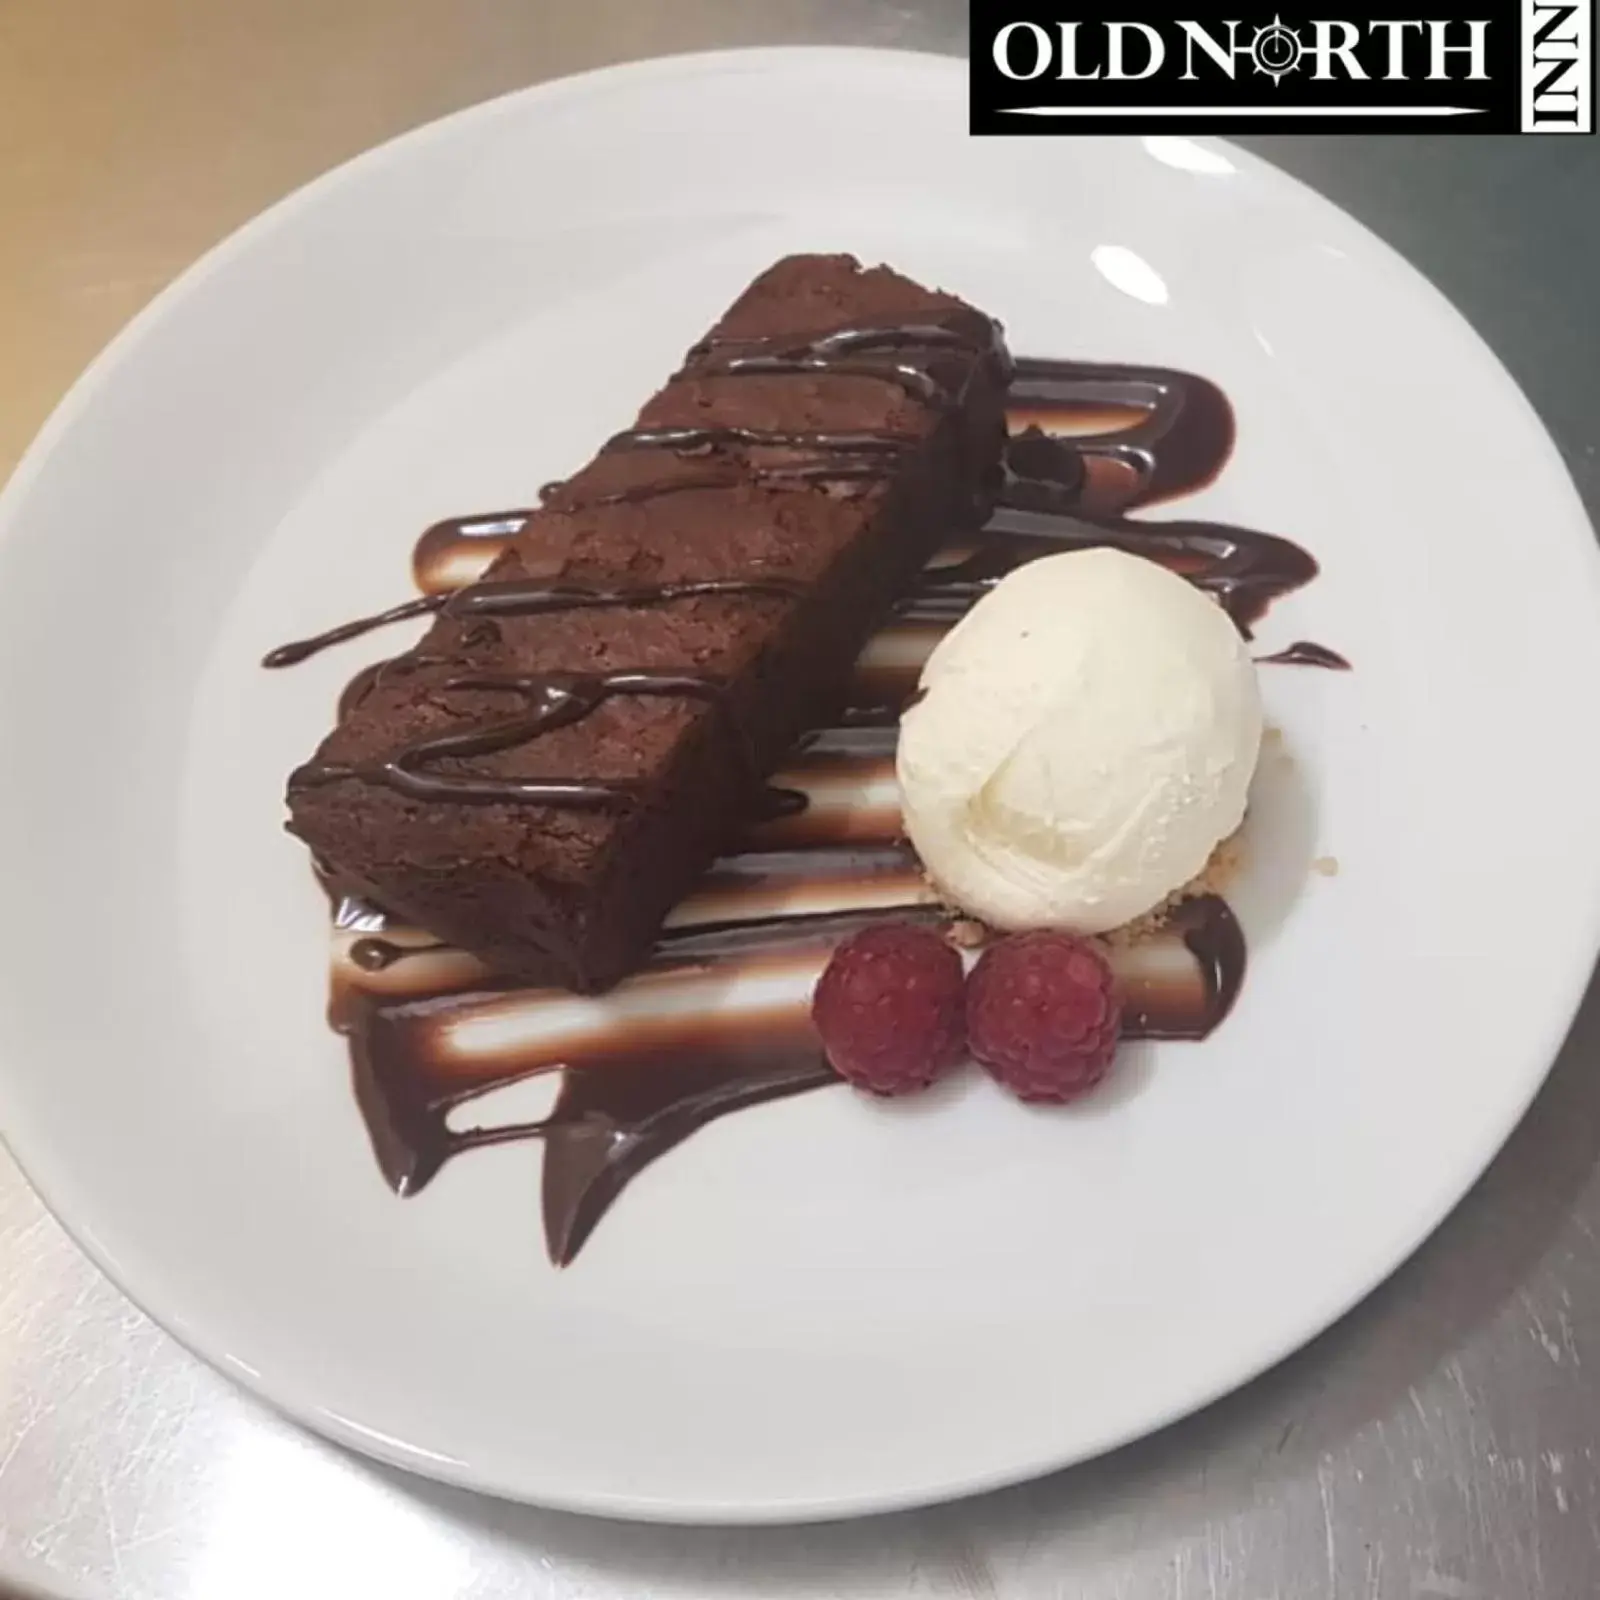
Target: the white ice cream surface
pixel 1085 738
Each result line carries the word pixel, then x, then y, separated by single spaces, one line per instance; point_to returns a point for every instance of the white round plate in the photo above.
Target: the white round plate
pixel 821 1306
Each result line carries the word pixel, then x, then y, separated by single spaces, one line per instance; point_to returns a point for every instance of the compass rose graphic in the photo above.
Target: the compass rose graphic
pixel 1276 49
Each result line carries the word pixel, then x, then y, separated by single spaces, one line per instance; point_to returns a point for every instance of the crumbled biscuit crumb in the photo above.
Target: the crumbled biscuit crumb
pixel 967 933
pixel 1327 866
pixel 1212 878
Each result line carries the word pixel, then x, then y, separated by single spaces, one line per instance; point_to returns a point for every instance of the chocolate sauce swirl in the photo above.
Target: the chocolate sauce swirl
pixel 1063 491
pixel 914 380
pixel 853 340
pixel 374 954
pixel 1092 444
pixel 691 441
pixel 557 699
pixel 834 355
pixel 298 650
pixel 455 551
pixel 1306 653
pixel 1074 491
pixel 551 700
pixel 823 470
pixel 521 597
pixel 625 1100
pixel 839 353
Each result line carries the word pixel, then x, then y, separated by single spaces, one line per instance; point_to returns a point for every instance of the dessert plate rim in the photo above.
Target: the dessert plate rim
pixel 31 1146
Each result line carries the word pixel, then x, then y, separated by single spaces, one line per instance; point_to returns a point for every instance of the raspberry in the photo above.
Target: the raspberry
pixel 1043 1015
pixel 889 1008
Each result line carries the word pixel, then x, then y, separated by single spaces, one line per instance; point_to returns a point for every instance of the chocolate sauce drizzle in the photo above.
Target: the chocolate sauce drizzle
pixel 523 597
pixel 839 355
pixel 1063 491
pixel 608 1126
pixel 622 1107
pixel 559 699
pixel 289 655
pixel 1304 653
pixel 832 354
pixel 1211 934
pixel 1091 445
pixel 1075 492
pixel 550 700
pixel 692 441
pixel 373 954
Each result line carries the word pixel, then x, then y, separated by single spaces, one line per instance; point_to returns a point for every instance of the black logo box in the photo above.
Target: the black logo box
pixel 1324 67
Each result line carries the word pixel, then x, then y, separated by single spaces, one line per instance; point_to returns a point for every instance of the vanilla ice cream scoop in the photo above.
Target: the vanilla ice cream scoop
pixel 1085 738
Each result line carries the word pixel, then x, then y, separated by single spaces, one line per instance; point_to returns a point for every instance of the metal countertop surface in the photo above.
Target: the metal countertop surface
pixel 1439 1443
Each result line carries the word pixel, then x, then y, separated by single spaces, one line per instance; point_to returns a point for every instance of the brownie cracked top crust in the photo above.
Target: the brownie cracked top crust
pixel 582 731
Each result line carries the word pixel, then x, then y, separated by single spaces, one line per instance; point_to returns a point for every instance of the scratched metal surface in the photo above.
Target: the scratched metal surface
pixel 1438 1444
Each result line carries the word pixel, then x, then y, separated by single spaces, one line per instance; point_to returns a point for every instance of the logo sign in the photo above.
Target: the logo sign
pixel 1488 66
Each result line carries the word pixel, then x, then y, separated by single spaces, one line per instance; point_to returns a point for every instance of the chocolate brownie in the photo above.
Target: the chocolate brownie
pixel 582 731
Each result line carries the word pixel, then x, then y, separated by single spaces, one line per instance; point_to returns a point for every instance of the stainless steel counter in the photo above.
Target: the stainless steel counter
pixel 1440 1443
